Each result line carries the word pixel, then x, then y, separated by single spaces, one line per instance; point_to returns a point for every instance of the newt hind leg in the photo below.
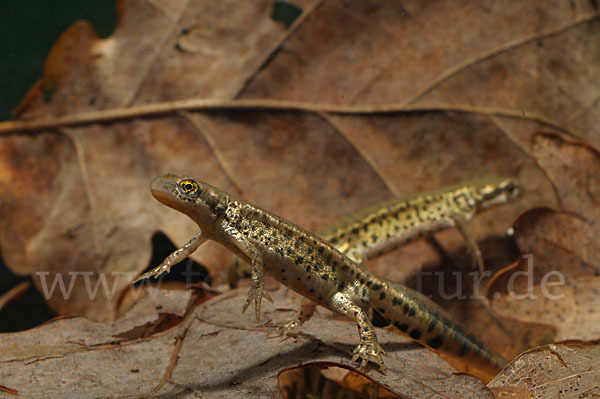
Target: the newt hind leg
pixel 306 311
pixel 369 345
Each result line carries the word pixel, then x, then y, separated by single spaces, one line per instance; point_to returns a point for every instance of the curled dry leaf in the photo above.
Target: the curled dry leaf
pixel 557 283
pixel 561 370
pixel 224 354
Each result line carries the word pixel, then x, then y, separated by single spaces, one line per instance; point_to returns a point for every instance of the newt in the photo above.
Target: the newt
pixel 387 225
pixel 315 269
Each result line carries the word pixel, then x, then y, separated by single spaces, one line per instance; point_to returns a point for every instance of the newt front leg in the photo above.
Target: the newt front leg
pixel 175 257
pixel 257 289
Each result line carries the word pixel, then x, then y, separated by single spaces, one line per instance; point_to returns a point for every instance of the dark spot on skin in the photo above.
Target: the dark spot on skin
pixel 289 250
pixel 310 250
pixel 275 241
pixel 432 325
pixel 298 278
pixel 335 263
pixel 416 334
pixel 381 310
pixel 333 241
pixel 409 216
pixel 261 232
pixel 364 243
pixel 401 327
pixel 396 227
pixel 351 271
pixel 282 270
pixel 412 312
pixel 328 259
pixel 435 343
pixel 362 280
pixel 299 260
pixel 396 215
pixel 376 287
pixel 288 234
pixel 439 208
pixel 320 298
pixel 358 276
pixel 374 237
pixel 424 208
pixel 308 268
pixel 369 283
pixel 321 249
pixel 364 292
pixel 355 231
pixel 344 268
pixel 388 235
pixel 405 309
pixel 396 301
pixel 355 290
pixel 298 242
pixel 341 285
pixel 382 296
pixel 312 290
pixel 458 332
pixel 318 266
pixel 325 276
pixel 279 251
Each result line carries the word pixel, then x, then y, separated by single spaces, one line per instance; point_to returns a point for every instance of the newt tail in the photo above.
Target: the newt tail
pixel 427 323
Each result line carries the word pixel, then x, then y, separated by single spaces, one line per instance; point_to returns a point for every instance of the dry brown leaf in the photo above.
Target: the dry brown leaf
pixel 351 105
pixel 557 283
pixel 565 370
pixel 220 356
pixel 91 213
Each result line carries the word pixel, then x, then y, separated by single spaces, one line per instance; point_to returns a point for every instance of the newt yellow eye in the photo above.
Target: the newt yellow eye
pixel 189 187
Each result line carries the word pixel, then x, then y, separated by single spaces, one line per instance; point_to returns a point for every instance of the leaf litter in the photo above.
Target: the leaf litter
pixel 411 103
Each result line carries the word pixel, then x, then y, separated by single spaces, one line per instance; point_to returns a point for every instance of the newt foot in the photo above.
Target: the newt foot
pixel 256 294
pixel 367 349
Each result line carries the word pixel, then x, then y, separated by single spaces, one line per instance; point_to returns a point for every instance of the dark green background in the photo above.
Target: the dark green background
pixel 28 28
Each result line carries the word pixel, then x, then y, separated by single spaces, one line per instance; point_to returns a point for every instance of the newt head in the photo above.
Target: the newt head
pixel 495 190
pixel 200 201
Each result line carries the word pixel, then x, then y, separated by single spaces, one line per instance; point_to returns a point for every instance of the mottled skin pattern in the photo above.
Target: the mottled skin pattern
pixel 315 269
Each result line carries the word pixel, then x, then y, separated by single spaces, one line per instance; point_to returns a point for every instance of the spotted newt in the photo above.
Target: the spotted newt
pixel 315 269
